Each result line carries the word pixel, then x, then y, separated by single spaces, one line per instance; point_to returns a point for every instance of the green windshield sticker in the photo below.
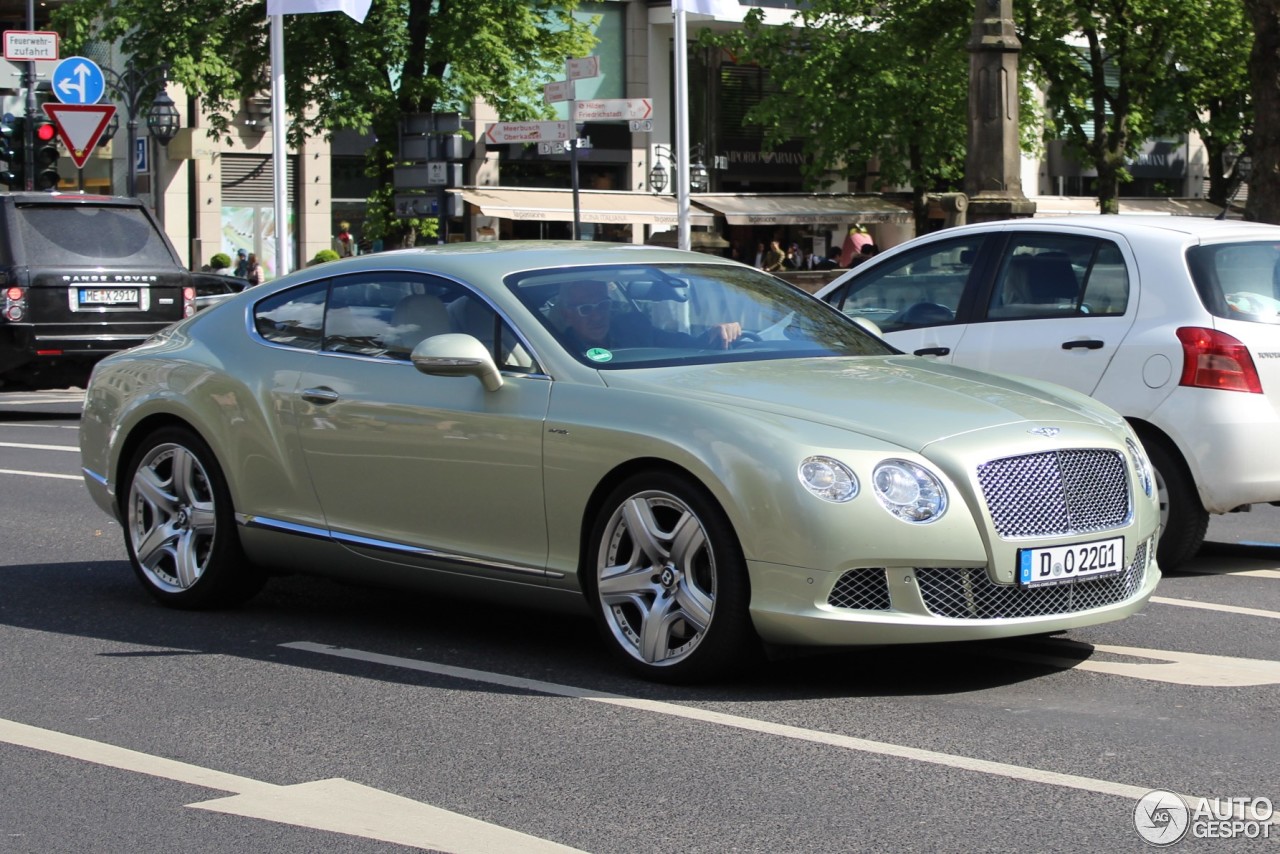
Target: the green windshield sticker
pixel 599 354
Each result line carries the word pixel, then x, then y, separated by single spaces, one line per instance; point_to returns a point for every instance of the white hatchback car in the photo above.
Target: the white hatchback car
pixel 1172 321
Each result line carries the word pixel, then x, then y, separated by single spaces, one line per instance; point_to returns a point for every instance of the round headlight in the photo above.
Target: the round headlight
pixel 1141 466
pixel 909 491
pixel 830 480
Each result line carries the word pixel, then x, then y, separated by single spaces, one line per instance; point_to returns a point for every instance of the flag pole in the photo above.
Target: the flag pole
pixel 279 157
pixel 683 236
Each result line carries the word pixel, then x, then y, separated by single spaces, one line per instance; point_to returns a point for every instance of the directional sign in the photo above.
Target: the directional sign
pixel 80 126
pixel 587 66
pixel 615 109
pixel 77 80
pixel 559 90
pixel 29 46
pixel 504 132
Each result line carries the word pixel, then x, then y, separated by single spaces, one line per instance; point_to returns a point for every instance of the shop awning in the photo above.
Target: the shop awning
pixel 593 205
pixel 802 208
pixel 1071 205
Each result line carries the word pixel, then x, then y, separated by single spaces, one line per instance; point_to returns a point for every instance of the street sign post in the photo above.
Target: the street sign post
pixel 77 80
pixel 587 66
pixel 612 110
pixel 80 127
pixel 510 132
pixel 30 46
pixel 557 90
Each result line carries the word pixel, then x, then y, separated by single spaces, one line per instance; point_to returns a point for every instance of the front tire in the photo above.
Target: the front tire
pixel 1183 519
pixel 668 583
pixel 179 526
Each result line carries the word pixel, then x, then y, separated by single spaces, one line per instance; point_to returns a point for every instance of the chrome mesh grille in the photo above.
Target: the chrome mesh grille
pixel 1056 493
pixel 864 589
pixel 969 594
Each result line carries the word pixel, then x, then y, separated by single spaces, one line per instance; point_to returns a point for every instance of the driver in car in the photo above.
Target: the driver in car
pixel 585 315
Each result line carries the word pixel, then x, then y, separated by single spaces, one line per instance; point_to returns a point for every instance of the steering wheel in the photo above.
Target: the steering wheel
pixel 746 337
pixel 927 312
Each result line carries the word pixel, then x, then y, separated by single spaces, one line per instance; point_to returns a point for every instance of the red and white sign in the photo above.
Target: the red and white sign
pixel 559 90
pixel 614 109
pixel 587 66
pixel 504 132
pixel 29 45
pixel 80 126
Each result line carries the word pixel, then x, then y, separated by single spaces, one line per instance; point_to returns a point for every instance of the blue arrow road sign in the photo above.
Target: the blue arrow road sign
pixel 77 80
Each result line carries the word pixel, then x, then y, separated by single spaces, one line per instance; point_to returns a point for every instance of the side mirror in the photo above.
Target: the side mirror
pixel 456 355
pixel 869 325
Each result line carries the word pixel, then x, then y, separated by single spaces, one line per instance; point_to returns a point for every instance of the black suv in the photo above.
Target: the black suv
pixel 82 277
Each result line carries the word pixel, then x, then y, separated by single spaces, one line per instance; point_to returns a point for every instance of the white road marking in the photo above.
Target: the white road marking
pixel 43 474
pixel 30 447
pixel 949 760
pixel 1162 665
pixel 1234 573
pixel 1214 606
pixel 339 806
pixel 6 400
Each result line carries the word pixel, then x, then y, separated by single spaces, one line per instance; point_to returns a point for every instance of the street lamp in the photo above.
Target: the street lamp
pixel 699 177
pixel 162 117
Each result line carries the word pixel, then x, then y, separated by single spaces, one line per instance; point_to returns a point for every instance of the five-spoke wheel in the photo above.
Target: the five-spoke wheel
pixel 669 580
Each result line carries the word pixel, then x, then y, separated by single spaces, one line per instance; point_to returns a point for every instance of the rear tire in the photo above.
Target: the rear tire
pixel 179 526
pixel 1183 519
pixel 667 581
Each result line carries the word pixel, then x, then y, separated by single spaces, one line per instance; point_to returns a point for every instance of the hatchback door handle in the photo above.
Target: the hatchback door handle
pixel 1088 344
pixel 932 351
pixel 321 396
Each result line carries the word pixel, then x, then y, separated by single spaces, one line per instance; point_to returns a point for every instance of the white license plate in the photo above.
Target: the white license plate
pixel 108 296
pixel 1065 564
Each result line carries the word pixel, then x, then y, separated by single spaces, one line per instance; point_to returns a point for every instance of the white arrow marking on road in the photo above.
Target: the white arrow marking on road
pixel 879 748
pixel 336 805
pixel 1177 668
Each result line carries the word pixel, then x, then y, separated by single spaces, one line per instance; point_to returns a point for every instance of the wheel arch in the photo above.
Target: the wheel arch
pixel 1149 432
pixel 138 434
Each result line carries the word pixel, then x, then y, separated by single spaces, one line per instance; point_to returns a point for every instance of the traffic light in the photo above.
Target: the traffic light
pixel 47 154
pixel 13 147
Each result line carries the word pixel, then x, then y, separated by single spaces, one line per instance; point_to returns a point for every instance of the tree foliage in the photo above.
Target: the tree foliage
pixel 1118 72
pixel 409 56
pixel 1264 86
pixel 879 82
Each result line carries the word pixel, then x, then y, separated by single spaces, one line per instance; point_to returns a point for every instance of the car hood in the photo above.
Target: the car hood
pixel 900 399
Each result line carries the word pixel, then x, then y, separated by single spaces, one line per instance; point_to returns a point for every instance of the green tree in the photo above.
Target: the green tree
pixel 877 89
pixel 409 56
pixel 1117 72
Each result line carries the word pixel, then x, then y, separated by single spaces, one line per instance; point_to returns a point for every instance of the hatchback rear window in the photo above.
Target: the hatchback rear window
pixel 1238 281
pixel 89 235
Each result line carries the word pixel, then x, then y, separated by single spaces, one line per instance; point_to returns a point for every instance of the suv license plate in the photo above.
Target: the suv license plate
pixel 108 296
pixel 1066 564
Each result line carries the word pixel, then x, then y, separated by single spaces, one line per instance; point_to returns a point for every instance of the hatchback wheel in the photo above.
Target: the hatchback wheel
pixel 669 582
pixel 1183 519
pixel 179 525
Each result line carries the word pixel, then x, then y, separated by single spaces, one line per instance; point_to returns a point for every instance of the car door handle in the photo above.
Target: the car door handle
pixel 1088 344
pixel 321 396
pixel 932 351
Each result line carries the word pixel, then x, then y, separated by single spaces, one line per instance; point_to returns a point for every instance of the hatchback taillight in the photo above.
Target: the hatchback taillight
pixel 188 301
pixel 1213 359
pixel 15 304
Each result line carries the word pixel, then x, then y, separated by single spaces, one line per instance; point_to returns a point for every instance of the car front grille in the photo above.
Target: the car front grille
pixel 863 589
pixel 970 594
pixel 1056 493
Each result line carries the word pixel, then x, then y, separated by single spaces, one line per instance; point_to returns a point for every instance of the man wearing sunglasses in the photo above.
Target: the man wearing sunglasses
pixel 587 318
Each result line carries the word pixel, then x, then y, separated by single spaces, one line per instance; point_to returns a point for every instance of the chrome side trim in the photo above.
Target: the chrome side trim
pixel 279 525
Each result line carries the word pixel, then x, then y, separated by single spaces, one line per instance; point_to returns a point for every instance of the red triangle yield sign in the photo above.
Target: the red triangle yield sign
pixel 80 126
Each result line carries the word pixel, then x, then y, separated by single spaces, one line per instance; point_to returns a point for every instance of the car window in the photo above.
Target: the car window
pixel 91 235
pixel 293 318
pixel 385 315
pixel 1050 275
pixel 623 316
pixel 1240 281
pixel 914 289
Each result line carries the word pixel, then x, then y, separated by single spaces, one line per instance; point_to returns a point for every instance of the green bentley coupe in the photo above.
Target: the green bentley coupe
pixel 710 461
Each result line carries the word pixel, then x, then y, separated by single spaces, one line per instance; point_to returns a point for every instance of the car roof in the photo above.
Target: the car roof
pixel 1127 224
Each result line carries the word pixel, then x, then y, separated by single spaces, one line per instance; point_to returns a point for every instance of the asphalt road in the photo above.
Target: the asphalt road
pixel 328 717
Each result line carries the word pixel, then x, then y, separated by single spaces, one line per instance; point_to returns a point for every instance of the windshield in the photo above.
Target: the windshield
pixel 630 316
pixel 89 235
pixel 1238 281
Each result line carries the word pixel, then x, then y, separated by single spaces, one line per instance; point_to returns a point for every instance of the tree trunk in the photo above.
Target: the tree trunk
pixel 1264 84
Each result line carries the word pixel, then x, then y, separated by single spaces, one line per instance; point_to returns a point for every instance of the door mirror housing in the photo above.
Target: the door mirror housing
pixel 457 355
